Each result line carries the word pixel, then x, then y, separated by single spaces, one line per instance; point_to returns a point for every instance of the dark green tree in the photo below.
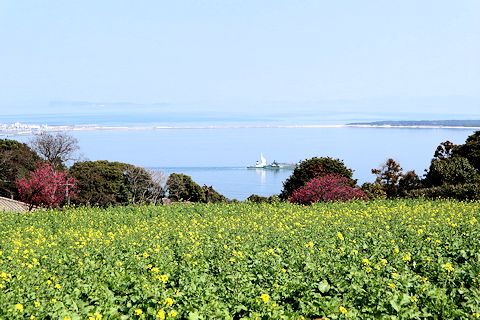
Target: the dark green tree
pixel 467 191
pixel 314 168
pixel 374 191
pixel 450 171
pixel 106 183
pixel 182 188
pixel 212 195
pixel 388 176
pixel 470 150
pixel 100 183
pixel 444 150
pixel 17 160
pixel 408 181
pixel 255 198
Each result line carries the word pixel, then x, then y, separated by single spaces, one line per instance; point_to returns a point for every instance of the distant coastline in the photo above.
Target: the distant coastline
pixel 19 128
pixel 433 124
pixel 27 129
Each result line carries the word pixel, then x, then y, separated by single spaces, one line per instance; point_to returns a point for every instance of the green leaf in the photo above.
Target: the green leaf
pixel 194 315
pixel 394 303
pixel 323 286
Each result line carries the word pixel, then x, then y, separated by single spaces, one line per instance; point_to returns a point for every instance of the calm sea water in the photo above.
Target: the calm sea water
pixel 218 157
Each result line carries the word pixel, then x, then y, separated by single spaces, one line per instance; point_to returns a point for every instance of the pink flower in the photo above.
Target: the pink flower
pixel 330 187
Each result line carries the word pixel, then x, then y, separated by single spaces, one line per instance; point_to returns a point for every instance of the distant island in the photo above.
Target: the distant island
pixel 420 123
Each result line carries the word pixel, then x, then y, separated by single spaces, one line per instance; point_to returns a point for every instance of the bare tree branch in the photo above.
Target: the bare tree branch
pixel 145 186
pixel 158 186
pixel 57 148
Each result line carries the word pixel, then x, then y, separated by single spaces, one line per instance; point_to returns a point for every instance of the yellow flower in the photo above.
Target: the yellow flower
pixel 32 317
pixel 154 270
pixel 392 285
pixel 309 244
pixel 36 304
pixel 340 236
pixel 342 310
pixel 172 314
pixel 138 312
pixel 407 257
pixel 365 261
pixel 19 307
pixel 161 314
pixel 58 286
pixel 265 297
pixel 164 278
pixel 169 302
pixel 67 318
pixel 448 266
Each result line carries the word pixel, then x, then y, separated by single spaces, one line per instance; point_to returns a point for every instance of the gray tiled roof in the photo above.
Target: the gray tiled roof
pixel 12 205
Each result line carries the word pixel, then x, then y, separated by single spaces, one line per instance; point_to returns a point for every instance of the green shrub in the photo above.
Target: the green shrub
pixel 468 191
pixel 182 188
pixel 451 171
pixel 470 150
pixel 255 198
pixel 100 183
pixel 374 191
pixel 212 195
pixel 104 183
pixel 17 160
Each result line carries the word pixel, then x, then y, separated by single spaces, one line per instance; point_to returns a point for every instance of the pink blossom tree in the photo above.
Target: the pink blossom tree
pixel 46 187
pixel 330 187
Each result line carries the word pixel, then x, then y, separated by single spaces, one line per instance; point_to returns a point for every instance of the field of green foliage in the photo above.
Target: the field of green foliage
pixel 361 260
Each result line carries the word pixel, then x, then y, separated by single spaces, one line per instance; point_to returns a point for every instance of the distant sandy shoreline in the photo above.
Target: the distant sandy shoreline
pixel 410 126
pixel 28 129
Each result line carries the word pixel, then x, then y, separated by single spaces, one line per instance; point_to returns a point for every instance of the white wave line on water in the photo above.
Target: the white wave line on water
pixel 25 129
pixel 19 128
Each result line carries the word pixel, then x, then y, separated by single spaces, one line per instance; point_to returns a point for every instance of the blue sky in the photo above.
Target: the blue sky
pixel 419 55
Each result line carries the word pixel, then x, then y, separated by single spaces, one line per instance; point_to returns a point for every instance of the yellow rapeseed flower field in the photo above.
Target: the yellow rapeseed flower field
pixel 406 259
